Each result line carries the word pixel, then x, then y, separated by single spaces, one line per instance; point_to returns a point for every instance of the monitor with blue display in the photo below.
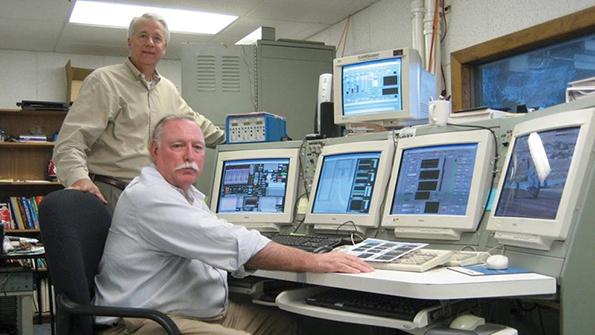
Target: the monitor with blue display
pixel 349 183
pixel 439 185
pixel 384 87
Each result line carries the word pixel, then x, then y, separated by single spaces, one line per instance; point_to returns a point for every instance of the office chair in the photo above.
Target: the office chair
pixel 74 227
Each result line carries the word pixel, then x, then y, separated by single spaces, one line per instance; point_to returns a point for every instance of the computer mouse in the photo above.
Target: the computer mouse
pixel 497 262
pixel 467 322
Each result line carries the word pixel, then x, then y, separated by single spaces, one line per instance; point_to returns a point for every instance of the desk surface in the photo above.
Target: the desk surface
pixel 439 283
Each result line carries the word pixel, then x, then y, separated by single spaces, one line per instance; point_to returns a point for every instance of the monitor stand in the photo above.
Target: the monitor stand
pixel 263 227
pixel 428 233
pixel 335 229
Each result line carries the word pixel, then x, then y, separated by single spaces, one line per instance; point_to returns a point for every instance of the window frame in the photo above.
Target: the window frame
pixel 463 62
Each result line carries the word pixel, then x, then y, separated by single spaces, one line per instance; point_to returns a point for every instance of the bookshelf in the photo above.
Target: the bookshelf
pixel 23 173
pixel 23 166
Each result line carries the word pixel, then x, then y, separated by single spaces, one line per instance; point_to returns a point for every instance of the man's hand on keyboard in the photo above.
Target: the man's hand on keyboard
pixel 341 262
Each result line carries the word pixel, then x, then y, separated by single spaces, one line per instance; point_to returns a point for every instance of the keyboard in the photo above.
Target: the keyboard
pixel 372 304
pixel 464 258
pixel 310 243
pixel 416 261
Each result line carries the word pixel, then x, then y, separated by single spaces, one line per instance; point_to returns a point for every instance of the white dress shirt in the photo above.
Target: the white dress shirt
pixel 169 252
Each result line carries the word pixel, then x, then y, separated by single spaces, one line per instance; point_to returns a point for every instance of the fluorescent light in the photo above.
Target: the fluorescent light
pixel 262 33
pixel 119 16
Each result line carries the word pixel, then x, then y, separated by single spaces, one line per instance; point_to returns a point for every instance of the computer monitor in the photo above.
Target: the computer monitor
pixel 256 188
pixel 348 186
pixel 388 87
pixel 439 185
pixel 533 208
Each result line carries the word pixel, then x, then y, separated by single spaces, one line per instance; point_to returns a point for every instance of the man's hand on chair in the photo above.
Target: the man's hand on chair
pixel 86 185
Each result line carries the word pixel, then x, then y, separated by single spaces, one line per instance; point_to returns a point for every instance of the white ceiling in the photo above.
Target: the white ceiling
pixel 42 25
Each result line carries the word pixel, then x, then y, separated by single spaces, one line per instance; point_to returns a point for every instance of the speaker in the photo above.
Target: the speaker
pixel 325 87
pixel 328 128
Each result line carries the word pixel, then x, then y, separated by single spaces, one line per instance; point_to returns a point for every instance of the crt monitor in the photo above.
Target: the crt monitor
pixel 385 87
pixel 439 185
pixel 256 188
pixel 538 194
pixel 348 186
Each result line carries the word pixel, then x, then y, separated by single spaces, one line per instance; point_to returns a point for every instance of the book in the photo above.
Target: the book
pixel 5 216
pixel 27 213
pixel 14 202
pixel 33 138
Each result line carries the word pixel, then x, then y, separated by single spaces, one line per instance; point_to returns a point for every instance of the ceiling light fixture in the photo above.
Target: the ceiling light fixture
pixel 119 15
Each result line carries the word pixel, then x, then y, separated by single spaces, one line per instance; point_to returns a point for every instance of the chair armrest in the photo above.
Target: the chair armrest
pixel 124 312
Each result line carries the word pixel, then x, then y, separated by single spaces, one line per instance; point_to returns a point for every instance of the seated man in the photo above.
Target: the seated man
pixel 167 251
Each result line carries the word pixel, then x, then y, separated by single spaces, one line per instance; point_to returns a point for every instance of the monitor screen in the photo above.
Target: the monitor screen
pixel 349 185
pixel 256 187
pixel 389 87
pixel 371 87
pixel 435 180
pixel 346 183
pixel 543 179
pixel 440 184
pixel 253 185
pixel 523 194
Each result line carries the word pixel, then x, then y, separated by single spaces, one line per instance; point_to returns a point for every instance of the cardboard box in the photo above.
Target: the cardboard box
pixel 74 80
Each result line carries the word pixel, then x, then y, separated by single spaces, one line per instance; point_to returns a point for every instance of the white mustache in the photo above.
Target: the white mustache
pixel 188 165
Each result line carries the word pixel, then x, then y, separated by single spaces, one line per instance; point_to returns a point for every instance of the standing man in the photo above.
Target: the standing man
pixel 167 251
pixel 102 144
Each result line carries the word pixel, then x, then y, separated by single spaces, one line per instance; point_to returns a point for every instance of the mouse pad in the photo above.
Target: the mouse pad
pixel 481 270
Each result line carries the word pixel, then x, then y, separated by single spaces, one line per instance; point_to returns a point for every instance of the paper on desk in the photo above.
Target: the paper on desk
pixel 376 250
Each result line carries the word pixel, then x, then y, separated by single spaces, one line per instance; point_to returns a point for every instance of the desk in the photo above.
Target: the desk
pixel 441 284
pixel 24 296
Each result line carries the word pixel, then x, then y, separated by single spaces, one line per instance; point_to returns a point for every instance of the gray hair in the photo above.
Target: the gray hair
pixel 159 127
pixel 149 16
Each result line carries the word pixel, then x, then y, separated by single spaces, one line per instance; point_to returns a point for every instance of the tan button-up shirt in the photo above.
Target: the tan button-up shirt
pixel 108 128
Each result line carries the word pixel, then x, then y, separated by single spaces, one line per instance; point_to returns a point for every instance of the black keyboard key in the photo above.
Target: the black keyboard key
pixel 308 243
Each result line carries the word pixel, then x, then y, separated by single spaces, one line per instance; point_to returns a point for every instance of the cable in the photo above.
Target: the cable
pixel 343 38
pixel 354 232
pixel 302 173
pixel 299 223
pixel 443 15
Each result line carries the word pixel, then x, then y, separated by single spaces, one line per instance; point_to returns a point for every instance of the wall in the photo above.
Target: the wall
pixel 28 75
pixel 387 24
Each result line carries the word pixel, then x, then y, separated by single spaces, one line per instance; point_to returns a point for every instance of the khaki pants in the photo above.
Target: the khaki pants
pixel 110 193
pixel 240 319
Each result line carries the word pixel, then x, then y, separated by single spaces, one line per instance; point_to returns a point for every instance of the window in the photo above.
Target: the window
pixel 531 66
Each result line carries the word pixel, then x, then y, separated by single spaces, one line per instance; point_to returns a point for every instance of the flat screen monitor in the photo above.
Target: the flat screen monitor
pixel 439 185
pixel 543 177
pixel 385 87
pixel 256 188
pixel 348 186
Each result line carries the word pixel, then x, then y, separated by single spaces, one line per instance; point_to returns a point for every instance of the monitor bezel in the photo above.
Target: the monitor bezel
pixel 285 217
pixel 411 68
pixel 478 191
pixel 558 228
pixel 333 221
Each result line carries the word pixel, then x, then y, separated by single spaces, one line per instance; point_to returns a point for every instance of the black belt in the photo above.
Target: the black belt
pixel 117 183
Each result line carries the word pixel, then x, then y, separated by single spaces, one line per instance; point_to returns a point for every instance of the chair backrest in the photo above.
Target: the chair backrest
pixel 74 227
